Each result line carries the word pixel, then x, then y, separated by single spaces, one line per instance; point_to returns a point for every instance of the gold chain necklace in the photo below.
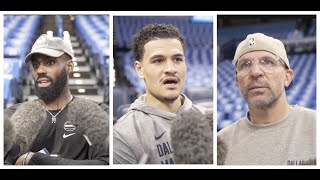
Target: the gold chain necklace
pixel 53 117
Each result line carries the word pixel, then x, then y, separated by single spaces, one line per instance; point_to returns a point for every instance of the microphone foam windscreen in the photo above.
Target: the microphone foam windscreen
pixel 9 134
pixel 192 138
pixel 222 151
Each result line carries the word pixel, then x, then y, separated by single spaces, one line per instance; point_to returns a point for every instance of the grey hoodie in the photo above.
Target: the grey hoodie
pixel 289 141
pixel 143 134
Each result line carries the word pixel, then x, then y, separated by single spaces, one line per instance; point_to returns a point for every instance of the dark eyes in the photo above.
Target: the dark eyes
pixel 161 60
pixel 265 64
pixel 34 65
pixel 268 61
pixel 49 62
pixel 178 59
pixel 158 61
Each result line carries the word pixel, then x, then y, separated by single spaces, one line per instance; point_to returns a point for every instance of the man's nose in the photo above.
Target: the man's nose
pixel 256 69
pixel 170 67
pixel 41 69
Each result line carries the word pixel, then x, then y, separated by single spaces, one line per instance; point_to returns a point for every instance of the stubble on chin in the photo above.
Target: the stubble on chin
pixel 270 98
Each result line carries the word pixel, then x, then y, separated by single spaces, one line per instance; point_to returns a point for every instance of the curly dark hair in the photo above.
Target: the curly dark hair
pixel 151 32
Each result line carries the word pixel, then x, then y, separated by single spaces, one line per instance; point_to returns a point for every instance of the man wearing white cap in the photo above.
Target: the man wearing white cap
pixel 57 128
pixel 273 132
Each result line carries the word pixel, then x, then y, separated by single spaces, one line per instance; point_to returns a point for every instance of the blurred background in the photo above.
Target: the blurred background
pixel 298 33
pixel 198 32
pixel 89 37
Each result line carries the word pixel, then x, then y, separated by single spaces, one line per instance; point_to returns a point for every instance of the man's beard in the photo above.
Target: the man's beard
pixel 268 101
pixel 54 89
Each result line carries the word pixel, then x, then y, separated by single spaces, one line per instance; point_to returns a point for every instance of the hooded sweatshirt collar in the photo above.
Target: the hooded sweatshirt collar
pixel 140 105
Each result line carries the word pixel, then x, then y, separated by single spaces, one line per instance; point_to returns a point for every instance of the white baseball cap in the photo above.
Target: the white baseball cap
pixel 261 42
pixel 50 46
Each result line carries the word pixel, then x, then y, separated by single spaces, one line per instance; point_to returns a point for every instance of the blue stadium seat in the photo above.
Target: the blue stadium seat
pixel 195 93
pixel 120 97
pixel 122 109
pixel 12 91
pixel 206 103
pixel 94 29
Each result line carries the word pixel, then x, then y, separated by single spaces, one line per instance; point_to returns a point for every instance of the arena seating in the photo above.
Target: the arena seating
pixel 19 33
pixel 94 31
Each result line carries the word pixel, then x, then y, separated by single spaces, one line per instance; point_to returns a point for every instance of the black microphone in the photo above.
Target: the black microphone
pixel 222 151
pixel 9 134
pixel 192 137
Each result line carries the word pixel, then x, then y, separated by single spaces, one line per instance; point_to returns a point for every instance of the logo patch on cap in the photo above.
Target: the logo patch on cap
pixel 252 42
pixel 41 40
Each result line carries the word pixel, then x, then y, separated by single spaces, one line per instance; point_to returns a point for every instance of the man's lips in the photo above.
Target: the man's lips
pixel 43 82
pixel 170 80
pixel 257 87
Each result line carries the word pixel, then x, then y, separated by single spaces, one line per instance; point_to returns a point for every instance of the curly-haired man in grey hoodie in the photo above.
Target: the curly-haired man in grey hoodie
pixel 142 135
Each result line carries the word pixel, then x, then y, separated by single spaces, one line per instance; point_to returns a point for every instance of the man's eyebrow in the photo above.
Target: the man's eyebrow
pixel 46 58
pixel 244 59
pixel 161 56
pixel 156 56
pixel 267 57
pixel 178 55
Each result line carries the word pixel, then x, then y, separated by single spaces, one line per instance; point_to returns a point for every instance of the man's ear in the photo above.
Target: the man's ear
pixel 139 69
pixel 70 66
pixel 289 77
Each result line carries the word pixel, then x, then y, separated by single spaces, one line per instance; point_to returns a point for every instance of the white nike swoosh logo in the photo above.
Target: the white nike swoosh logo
pixel 67 135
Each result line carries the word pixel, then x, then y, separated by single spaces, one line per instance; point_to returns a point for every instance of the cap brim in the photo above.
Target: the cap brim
pixel 45 51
